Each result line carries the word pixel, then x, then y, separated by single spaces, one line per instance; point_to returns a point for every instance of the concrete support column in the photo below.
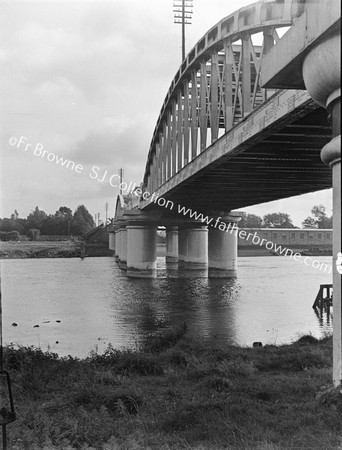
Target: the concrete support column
pixel 171 256
pixel 141 251
pixel 222 249
pixel 331 154
pixel 117 244
pixel 111 237
pixel 322 77
pixel 123 248
pixel 193 249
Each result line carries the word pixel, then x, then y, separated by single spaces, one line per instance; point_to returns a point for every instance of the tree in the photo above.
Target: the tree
pixel 63 218
pixel 9 236
pixel 309 222
pixel 250 221
pixel 82 221
pixel 50 226
pixel 36 219
pixel 59 223
pixel 6 225
pixel 65 212
pixel 15 215
pixel 277 220
pixel 327 223
pixel 33 234
pixel 14 223
pixel 322 220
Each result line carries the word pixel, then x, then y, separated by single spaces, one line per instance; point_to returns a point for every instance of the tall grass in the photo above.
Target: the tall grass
pixel 176 393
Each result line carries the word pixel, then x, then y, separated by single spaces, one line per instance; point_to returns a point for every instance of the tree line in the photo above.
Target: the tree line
pixel 318 219
pixel 63 222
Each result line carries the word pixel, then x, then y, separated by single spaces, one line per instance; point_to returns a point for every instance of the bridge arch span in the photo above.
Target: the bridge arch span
pixel 216 86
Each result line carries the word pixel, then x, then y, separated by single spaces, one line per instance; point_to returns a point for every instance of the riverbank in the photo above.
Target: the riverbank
pixel 72 249
pixel 50 249
pixel 175 393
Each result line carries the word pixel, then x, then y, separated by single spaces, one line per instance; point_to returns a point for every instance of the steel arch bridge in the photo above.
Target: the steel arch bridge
pixel 223 142
pixel 216 109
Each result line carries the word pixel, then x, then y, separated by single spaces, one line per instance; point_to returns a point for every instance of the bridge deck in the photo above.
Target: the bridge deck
pixel 273 154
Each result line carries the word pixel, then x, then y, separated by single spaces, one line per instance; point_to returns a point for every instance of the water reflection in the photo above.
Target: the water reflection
pixel 96 304
pixel 324 316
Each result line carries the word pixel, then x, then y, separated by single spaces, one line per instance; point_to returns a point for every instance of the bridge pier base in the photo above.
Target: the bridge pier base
pixel 193 250
pixel 222 250
pixel 141 251
pixel 171 256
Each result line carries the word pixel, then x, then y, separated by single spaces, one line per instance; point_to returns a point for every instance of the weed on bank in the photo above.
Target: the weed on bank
pixel 177 393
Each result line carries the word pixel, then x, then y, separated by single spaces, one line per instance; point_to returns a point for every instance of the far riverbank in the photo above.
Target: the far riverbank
pixel 72 249
pixel 51 249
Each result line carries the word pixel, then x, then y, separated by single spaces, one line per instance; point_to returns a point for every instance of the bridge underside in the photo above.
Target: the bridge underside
pixel 285 163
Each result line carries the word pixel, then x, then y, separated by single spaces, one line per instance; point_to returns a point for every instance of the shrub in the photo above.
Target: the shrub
pixel 177 358
pixel 307 339
pixel 9 236
pixel 139 364
pixel 127 362
pixel 33 234
pixel 157 343
pixel 291 359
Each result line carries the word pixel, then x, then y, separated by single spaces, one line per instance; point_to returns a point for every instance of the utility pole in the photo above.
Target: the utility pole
pixel 182 15
pixel 106 213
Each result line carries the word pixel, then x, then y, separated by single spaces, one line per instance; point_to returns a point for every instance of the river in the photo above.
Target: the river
pixel 72 307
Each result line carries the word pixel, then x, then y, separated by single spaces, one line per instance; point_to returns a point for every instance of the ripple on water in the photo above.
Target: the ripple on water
pixel 85 305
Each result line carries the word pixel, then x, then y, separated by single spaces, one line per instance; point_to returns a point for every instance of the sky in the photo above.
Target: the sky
pixel 84 81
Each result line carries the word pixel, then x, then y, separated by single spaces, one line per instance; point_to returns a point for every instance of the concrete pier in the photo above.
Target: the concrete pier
pixel 193 249
pixel 322 78
pixel 141 251
pixel 123 248
pixel 222 249
pixel 117 244
pixel 111 238
pixel 171 256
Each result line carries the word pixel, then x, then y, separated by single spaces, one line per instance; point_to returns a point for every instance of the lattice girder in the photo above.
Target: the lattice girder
pixel 216 86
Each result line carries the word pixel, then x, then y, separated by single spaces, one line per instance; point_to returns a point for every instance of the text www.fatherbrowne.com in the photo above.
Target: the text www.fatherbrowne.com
pixel 254 238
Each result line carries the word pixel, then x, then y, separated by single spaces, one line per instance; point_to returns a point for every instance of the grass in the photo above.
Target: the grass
pixel 177 393
pixel 37 249
pixel 50 249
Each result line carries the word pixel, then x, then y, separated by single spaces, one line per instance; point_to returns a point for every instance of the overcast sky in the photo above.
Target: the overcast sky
pixel 85 80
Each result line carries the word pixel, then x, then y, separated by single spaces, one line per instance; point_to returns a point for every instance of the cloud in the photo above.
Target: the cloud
pixel 116 143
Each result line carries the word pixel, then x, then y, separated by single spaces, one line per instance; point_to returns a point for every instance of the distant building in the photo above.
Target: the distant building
pixel 293 238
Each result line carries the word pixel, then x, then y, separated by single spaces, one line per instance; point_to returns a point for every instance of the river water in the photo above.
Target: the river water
pixel 82 306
